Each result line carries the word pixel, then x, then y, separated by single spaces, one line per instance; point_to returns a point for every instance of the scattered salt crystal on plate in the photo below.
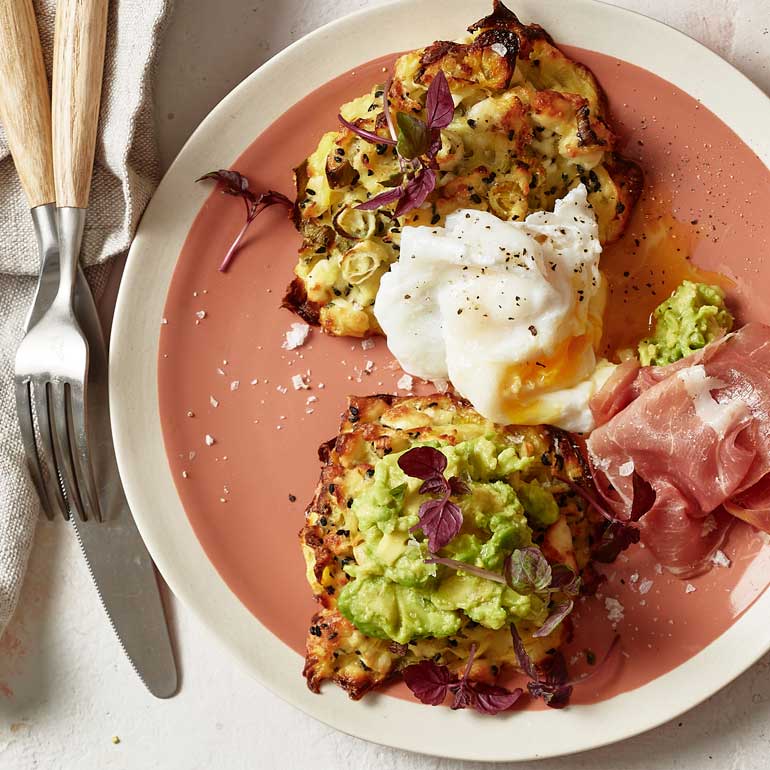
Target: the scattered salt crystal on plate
pixel 296 336
pixel 689 588
pixel 614 610
pixel 209 440
pixel 721 559
pixel 311 399
pixel 367 344
pixel 201 314
pixel 235 384
pixel 213 402
pixel 645 586
pixel 441 386
pixel 300 382
pixel 220 371
pixel 405 382
pixel 282 389
pixel 368 367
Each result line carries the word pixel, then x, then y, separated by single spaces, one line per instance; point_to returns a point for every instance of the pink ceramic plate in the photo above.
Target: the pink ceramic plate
pixel 198 354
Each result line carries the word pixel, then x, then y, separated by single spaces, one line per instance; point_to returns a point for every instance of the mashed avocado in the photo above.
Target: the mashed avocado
pixel 394 594
pixel 694 315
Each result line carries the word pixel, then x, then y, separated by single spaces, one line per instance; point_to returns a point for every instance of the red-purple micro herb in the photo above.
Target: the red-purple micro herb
pixel 559 611
pixel 617 536
pixel 232 183
pixel 552 682
pixel 440 519
pixel 527 571
pixel 431 684
pixel 417 143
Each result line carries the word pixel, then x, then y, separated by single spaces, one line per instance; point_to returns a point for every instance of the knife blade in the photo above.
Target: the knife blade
pixel 117 558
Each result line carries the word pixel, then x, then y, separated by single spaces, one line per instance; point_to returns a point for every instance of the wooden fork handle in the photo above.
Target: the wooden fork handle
pixel 81 30
pixel 25 107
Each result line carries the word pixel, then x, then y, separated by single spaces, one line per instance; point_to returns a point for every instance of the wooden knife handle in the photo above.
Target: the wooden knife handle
pixel 25 107
pixel 81 31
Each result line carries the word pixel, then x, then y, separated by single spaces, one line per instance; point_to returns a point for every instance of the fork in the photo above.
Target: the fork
pixel 51 372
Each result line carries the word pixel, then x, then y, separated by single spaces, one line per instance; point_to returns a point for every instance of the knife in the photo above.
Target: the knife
pixel 117 558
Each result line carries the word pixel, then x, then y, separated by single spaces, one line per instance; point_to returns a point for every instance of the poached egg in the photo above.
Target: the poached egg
pixel 510 312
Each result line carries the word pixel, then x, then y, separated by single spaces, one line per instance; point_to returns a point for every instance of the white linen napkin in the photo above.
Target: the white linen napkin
pixel 125 175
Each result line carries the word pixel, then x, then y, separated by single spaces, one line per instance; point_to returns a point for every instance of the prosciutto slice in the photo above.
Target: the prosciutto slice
pixel 698 433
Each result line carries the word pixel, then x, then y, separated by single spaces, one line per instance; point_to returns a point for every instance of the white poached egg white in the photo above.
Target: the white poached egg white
pixel 510 312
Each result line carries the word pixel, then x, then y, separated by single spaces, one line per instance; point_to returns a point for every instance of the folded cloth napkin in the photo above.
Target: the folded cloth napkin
pixel 125 174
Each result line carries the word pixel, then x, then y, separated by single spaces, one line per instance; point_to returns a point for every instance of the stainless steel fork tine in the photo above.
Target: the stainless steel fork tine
pixel 27 426
pixel 78 432
pixel 57 410
pixel 45 450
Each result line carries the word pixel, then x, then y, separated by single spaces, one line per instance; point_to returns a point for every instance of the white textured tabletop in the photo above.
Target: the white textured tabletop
pixel 68 698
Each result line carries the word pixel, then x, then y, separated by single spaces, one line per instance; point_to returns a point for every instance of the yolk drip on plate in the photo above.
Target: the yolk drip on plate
pixel 643 268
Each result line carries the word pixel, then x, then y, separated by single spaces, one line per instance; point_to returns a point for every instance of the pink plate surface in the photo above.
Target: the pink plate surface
pixel 223 373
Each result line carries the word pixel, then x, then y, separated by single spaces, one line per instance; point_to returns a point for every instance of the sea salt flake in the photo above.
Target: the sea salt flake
pixel 633 578
pixel 368 367
pixel 201 314
pixel 627 468
pixel 213 402
pixel 645 586
pixel 658 569
pixel 282 389
pixel 441 386
pixel 299 382
pixel 295 336
pixel 254 382
pixel 191 455
pixel 367 344
pixel 164 321
pixel 220 371
pixel 499 49
pixel 311 399
pixel 406 382
pixel 689 588
pixel 185 474
pixel 720 559
pixel 614 610
pixel 235 384
pixel 209 440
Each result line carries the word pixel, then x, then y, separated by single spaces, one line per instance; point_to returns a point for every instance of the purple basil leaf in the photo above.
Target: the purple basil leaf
pixel 527 571
pixel 458 487
pixel 555 670
pixel 413 136
pixel 439 107
pixel 234 183
pixel 554 696
pixel 370 136
pixel 435 144
pixel 230 182
pixel 492 698
pixel 616 537
pixel 525 662
pixel 423 462
pixel 464 695
pixel 428 681
pixel 471 569
pixel 565 579
pixel 435 485
pixel 381 200
pixel 416 191
pixel 440 520
pixel 559 612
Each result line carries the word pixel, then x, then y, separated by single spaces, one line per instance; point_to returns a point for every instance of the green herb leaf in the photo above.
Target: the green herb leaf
pixel 412 136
